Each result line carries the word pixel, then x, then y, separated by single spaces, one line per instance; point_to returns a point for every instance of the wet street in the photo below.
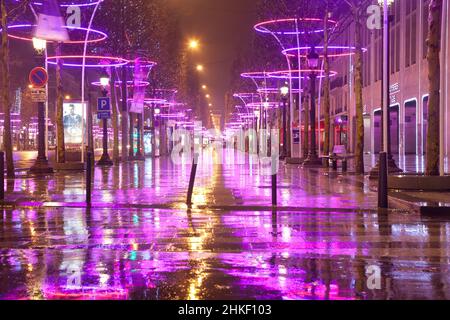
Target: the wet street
pixel 139 240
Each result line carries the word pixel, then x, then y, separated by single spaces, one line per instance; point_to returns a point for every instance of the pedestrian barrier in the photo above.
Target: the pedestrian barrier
pixel 192 179
pixel 2 176
pixel 89 178
pixel 383 182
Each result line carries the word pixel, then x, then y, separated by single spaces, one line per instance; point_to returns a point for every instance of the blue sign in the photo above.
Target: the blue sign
pixel 104 115
pixel 296 136
pixel 104 104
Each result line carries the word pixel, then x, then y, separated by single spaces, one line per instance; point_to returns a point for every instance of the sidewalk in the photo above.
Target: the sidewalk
pixel 160 183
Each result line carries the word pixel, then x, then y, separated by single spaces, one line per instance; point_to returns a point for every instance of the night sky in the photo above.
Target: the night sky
pixel 224 27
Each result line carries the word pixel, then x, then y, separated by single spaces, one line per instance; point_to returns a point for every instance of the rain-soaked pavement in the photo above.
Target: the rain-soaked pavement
pixel 146 244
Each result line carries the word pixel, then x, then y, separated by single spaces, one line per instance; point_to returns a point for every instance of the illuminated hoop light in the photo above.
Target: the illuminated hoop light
pixel 275 90
pixel 129 84
pixel 296 74
pixel 294 52
pixel 101 35
pixel 115 61
pixel 262 27
pixel 268 104
pixel 255 75
pixel 144 64
pixel 155 101
pixel 83 4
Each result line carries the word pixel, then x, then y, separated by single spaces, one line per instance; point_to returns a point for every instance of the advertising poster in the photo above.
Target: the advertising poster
pixel 73 123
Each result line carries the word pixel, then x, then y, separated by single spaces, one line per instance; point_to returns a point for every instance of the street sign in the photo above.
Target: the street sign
pixel 296 136
pixel 104 104
pixel 38 95
pixel 38 77
pixel 101 115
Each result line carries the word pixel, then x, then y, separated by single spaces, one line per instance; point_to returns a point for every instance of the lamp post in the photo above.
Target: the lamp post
pixel 284 91
pixel 385 89
pixel 313 63
pixel 105 160
pixel 41 165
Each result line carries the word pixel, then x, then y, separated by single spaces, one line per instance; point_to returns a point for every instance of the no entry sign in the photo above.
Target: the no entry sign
pixel 38 77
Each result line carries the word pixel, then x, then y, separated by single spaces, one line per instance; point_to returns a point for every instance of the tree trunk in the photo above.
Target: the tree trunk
pixel 359 147
pixel 61 153
pixel 326 86
pixel 434 71
pixel 4 62
pixel 115 119
pixel 306 131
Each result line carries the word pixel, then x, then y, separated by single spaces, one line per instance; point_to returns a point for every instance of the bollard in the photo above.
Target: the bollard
pixel 383 182
pixel 274 182
pixel 2 176
pixel 192 179
pixel 89 178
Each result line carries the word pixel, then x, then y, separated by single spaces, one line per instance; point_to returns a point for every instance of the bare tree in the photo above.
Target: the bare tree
pixel 8 16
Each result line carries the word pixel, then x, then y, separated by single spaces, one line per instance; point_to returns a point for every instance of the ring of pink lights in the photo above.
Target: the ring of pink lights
pixel 334 51
pixel 275 90
pixel 130 83
pixel 103 61
pixel 263 27
pixel 100 36
pixel 298 74
pixel 83 3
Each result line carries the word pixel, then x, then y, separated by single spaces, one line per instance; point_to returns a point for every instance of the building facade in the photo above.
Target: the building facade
pixel 408 84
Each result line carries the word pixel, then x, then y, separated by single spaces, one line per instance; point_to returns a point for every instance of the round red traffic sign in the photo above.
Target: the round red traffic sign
pixel 38 77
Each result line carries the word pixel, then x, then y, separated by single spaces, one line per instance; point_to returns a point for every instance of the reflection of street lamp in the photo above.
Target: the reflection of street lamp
pixel 284 91
pixel 41 165
pixel 105 160
pixel 313 64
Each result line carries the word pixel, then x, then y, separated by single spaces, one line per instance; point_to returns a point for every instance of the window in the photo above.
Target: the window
pixel 410 33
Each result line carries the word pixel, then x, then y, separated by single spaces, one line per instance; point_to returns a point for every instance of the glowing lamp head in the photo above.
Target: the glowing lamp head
pixel 194 44
pixel 39 45
pixel 104 79
pixel 313 59
pixel 157 111
pixel 284 90
pixel 200 67
pixel 389 2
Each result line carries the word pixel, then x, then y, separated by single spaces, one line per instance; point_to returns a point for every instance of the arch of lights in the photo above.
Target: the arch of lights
pixel 286 32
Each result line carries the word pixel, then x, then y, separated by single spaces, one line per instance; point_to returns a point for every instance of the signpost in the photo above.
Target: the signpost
pixel 104 113
pixel 38 79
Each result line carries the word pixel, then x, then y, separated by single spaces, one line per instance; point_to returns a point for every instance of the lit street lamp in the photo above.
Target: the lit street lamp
pixel 284 91
pixel 41 165
pixel 313 64
pixel 105 160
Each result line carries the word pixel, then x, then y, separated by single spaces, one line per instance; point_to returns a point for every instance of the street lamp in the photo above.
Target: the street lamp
pixel 284 91
pixel 194 44
pixel 200 68
pixel 41 165
pixel 105 160
pixel 313 63
pixel 385 88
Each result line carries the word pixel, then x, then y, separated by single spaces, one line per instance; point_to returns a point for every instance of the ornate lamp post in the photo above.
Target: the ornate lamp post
pixel 105 160
pixel 284 92
pixel 313 64
pixel 41 166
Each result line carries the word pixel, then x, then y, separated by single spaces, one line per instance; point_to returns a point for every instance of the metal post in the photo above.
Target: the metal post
pixel 89 178
pixel 2 176
pixel 383 182
pixel 192 179
pixel 274 190
pixel 41 165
